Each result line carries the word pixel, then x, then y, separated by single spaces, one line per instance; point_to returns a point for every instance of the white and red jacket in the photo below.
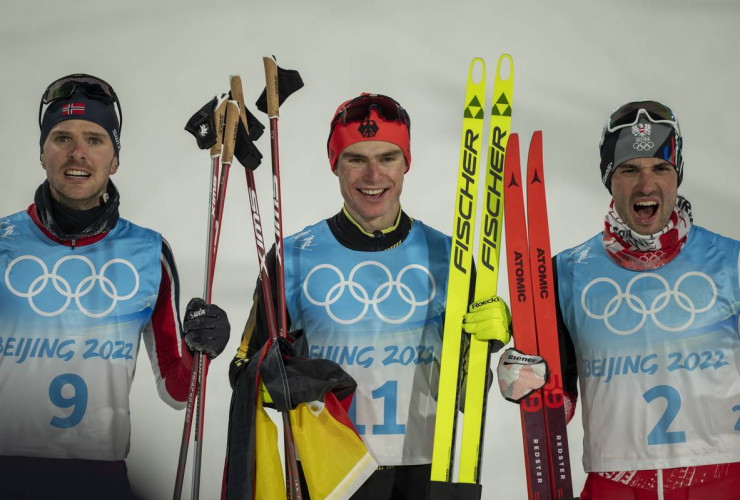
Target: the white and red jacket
pixel 72 315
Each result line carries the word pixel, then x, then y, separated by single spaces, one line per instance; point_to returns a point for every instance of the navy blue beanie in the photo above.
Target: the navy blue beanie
pixel 80 107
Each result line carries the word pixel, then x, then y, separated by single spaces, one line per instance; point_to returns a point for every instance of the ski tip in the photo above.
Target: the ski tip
pixel 477 72
pixel 511 161
pixel 505 67
pixel 535 146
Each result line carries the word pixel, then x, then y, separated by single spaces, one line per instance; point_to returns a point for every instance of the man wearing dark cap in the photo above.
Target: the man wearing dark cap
pixel 367 287
pixel 648 310
pixel 80 288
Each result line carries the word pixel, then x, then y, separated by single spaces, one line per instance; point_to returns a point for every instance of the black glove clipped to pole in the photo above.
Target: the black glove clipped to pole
pixel 206 327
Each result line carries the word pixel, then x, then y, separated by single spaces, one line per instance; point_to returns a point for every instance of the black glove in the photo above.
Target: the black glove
pixel 206 327
pixel 244 148
pixel 202 125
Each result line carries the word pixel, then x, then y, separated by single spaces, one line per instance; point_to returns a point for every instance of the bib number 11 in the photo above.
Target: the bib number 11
pixel 388 392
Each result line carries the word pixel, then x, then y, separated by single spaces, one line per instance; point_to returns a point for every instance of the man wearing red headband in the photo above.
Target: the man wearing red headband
pixel 368 288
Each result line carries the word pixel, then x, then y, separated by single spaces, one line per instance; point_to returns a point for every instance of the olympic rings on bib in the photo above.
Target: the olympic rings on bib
pixel 63 287
pixel 367 298
pixel 685 300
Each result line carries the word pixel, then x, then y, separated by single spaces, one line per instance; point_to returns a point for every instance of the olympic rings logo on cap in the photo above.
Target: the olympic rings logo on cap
pixel 685 300
pixel 366 299
pixel 642 132
pixel 64 288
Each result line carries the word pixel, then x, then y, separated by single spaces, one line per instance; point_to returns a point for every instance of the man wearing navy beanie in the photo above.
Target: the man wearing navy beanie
pixel 80 288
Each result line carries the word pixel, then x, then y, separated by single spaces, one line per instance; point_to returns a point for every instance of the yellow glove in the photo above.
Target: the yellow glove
pixel 489 320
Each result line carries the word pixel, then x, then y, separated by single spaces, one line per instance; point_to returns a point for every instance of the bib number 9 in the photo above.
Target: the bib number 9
pixel 68 391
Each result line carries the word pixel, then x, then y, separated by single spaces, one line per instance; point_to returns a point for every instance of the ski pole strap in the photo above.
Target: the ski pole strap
pixel 288 81
pixel 203 124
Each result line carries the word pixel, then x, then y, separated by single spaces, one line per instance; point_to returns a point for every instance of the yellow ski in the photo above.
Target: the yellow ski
pixel 458 283
pixel 489 246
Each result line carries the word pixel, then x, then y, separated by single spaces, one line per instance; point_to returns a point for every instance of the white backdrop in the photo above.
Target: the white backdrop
pixel 575 61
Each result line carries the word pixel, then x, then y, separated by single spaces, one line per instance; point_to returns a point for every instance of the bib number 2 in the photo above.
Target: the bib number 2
pixel 68 391
pixel 660 433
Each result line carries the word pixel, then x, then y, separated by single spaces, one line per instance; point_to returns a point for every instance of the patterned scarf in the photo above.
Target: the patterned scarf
pixel 638 252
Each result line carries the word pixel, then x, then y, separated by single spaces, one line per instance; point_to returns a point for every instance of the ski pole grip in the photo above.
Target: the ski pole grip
pixel 219 117
pixel 232 118
pixel 237 93
pixel 271 87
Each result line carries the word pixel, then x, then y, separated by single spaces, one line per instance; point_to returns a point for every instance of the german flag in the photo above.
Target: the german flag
pixel 317 394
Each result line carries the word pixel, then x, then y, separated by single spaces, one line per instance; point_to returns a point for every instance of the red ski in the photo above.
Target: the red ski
pixel 535 323
pixel 534 427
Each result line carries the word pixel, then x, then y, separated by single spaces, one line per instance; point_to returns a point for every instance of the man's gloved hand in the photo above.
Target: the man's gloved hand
pixel 490 320
pixel 519 374
pixel 206 327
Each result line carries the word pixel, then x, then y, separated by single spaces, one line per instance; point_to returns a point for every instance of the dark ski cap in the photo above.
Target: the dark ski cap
pixel 81 97
pixel 640 129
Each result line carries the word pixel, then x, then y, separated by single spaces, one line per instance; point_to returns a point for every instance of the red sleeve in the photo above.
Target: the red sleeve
pixel 170 358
